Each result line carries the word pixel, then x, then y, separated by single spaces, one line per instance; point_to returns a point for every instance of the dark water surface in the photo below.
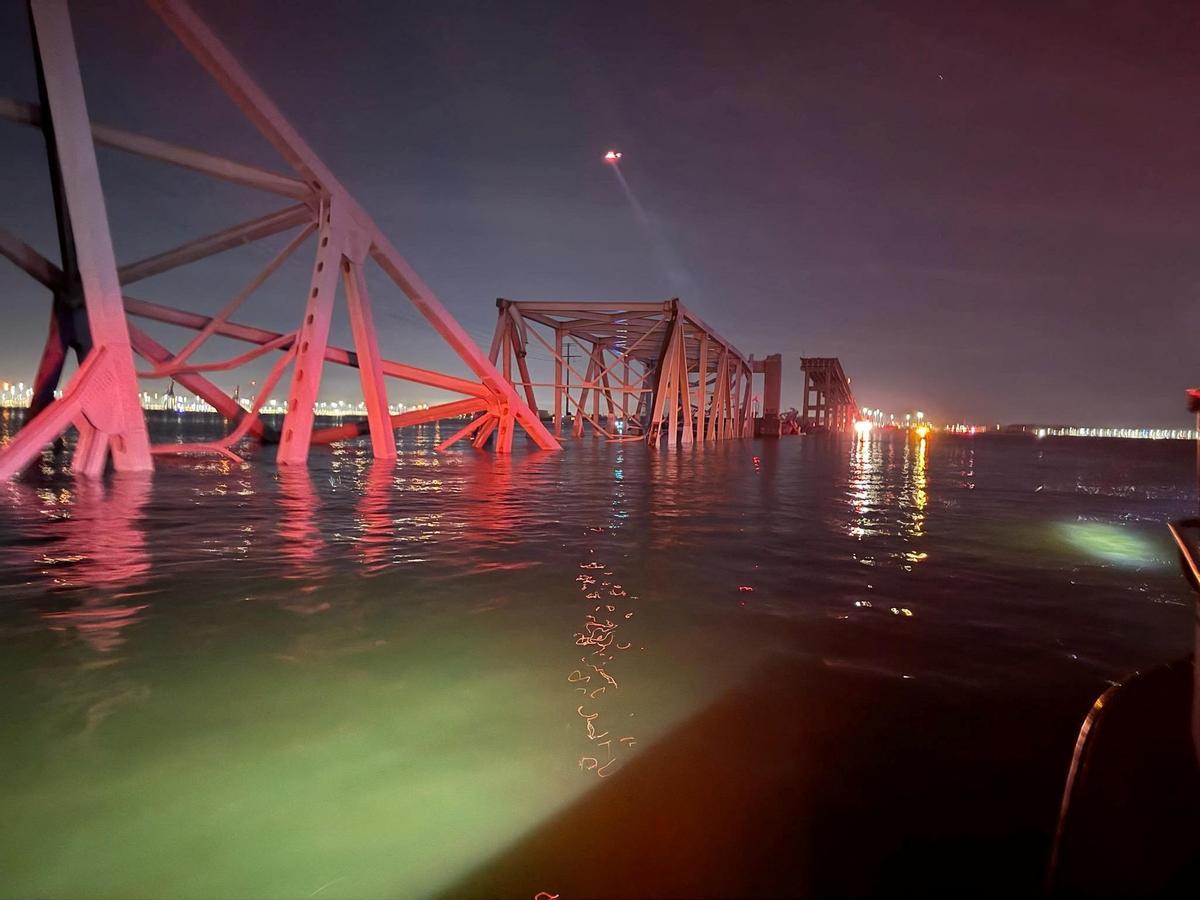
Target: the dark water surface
pixel 814 665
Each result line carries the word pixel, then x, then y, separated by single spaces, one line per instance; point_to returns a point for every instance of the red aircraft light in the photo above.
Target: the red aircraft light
pixel 612 157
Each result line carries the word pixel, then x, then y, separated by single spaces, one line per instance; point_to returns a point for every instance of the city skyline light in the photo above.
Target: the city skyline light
pixel 16 395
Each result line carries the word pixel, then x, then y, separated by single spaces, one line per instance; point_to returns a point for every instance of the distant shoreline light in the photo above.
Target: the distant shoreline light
pixel 1045 431
pixel 18 396
pixel 1142 434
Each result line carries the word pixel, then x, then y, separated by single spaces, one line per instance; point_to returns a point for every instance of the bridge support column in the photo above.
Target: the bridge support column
pixel 558 382
pixel 104 402
pixel 772 369
pixel 370 363
pixel 829 403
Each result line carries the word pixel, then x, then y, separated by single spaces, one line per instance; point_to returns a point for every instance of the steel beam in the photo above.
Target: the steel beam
pixel 173 154
pixel 312 339
pixel 219 242
pixel 149 349
pixel 464 432
pixel 184 319
pixel 232 306
pixel 370 365
pixel 28 260
pixel 121 424
pixel 401 420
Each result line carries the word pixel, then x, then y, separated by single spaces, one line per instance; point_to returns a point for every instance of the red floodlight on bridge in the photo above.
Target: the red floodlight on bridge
pixel 101 399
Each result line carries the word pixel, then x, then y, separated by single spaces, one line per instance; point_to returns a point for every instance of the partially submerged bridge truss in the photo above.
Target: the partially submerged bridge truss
pixel 829 403
pixel 644 371
pixel 90 307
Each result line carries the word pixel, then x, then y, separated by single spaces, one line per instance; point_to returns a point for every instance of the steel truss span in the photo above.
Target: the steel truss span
pixel 91 307
pixel 829 403
pixel 632 371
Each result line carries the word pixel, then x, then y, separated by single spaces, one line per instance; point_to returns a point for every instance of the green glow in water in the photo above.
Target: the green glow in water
pixel 350 753
pixel 373 771
pixel 372 694
pixel 1119 545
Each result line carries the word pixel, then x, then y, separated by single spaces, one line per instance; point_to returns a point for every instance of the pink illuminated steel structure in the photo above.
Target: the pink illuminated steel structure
pixel 92 306
pixel 829 403
pixel 655 367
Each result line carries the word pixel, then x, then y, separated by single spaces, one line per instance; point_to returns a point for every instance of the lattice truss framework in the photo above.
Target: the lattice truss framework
pixel 654 365
pixel 102 398
pixel 828 401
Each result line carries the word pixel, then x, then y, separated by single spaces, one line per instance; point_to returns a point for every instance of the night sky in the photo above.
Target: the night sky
pixel 987 211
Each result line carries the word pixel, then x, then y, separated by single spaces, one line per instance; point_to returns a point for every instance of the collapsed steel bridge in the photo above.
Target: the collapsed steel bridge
pixel 646 371
pixel 829 403
pixel 88 315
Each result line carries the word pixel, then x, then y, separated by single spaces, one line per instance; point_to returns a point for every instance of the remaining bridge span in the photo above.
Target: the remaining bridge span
pixel 649 371
pixel 829 403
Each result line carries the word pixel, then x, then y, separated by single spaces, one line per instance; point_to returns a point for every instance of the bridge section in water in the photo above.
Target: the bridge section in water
pixel 650 371
pixel 90 303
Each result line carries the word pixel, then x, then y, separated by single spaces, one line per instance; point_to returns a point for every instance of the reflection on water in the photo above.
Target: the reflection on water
pixel 887 498
pixel 865 493
pixel 302 548
pixel 376 532
pixel 607 609
pixel 919 483
pixel 601 644
pixel 88 543
pixel 364 679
